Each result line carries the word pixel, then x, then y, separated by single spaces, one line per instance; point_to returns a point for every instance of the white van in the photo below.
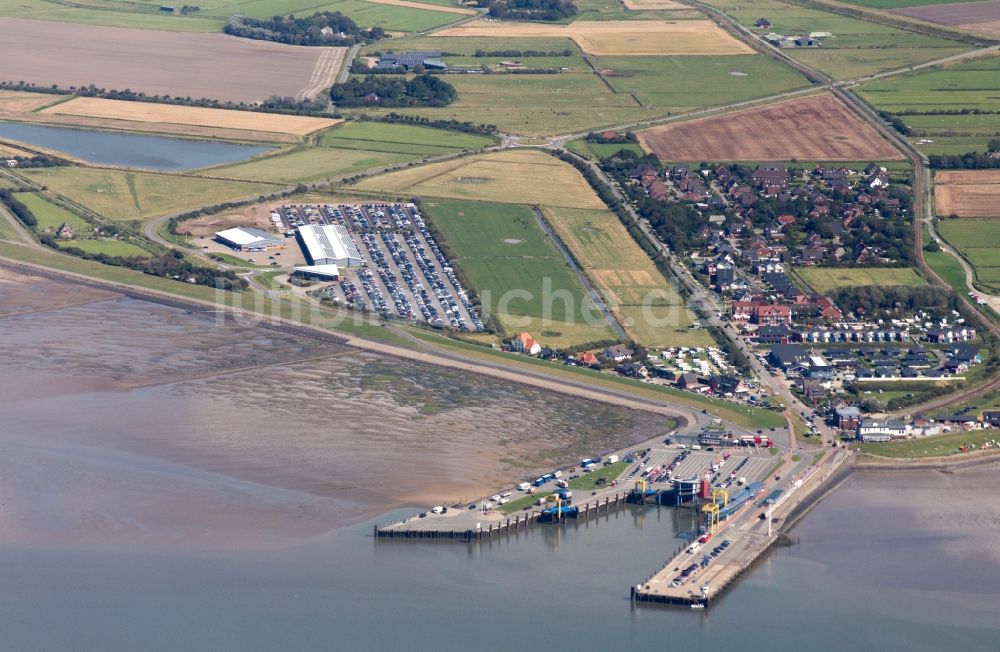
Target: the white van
pixel 695 447
pixel 437 510
pixel 523 486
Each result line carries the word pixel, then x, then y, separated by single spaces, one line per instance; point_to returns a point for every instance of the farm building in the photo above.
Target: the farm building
pixel 410 60
pixel 249 239
pixel 329 244
pixel 318 272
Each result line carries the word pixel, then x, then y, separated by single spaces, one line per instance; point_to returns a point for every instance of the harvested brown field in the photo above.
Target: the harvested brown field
pixel 162 63
pixel 967 193
pixel 20 102
pixel 95 107
pixel 609 38
pixel 429 7
pixel 648 5
pixel 991 28
pixel 816 128
pixel 959 13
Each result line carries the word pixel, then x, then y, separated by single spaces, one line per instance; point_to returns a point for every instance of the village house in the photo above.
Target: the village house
pixel 524 343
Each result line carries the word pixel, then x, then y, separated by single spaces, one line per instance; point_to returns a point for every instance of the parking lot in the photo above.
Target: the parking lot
pixel 726 467
pixel 405 273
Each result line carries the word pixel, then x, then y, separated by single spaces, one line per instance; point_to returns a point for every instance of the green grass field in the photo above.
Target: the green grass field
pixel 978 240
pixel 858 47
pixel 948 268
pixel 534 104
pixel 971 85
pixel 697 81
pixel 121 195
pixel 108 247
pixel 51 216
pixel 517 271
pixel 307 165
pixel 381 136
pixel 824 279
pixel 933 446
pixel 146 14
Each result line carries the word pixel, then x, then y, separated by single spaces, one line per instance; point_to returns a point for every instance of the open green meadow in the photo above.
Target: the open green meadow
pixel 306 165
pixel 405 139
pixel 122 195
pixel 679 83
pixel 824 279
pixel 107 247
pixel 858 47
pixel 146 14
pixel 968 86
pixel 517 271
pixel 978 240
pixel 51 216
pixel 535 104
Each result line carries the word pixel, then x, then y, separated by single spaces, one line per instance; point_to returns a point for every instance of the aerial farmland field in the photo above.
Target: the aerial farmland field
pixel 610 38
pixel 516 177
pixel 825 279
pixel 818 127
pixel 122 195
pixel 931 103
pixel 645 303
pixel 858 47
pixel 503 252
pixel 212 66
pixel 306 165
pixel 148 112
pixel 967 193
pixel 978 241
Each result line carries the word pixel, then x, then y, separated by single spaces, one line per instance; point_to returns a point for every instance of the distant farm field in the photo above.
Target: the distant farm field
pixel 818 127
pixel 162 63
pixel 978 241
pixel 858 47
pixel 406 139
pixel 393 15
pixel 51 216
pixel 121 195
pixel 512 176
pixel 825 279
pixel 95 107
pixel 518 273
pixel 982 16
pixel 937 97
pixel 967 193
pixel 645 303
pixel 307 165
pixel 22 102
pixel 633 38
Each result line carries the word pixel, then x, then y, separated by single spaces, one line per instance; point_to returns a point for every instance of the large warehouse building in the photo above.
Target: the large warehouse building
pixel 329 244
pixel 248 239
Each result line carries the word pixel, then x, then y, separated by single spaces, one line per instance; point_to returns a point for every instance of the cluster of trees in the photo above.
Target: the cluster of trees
pixel 892 301
pixel 39 161
pixel 330 28
pixel 967 161
pixel 895 122
pixel 19 210
pixel 373 90
pixel 617 139
pixel 546 10
pixel 517 54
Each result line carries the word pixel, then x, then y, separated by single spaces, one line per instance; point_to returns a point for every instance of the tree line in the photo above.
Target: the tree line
pixel 541 10
pixel 328 28
pixel 20 211
pixel 373 90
